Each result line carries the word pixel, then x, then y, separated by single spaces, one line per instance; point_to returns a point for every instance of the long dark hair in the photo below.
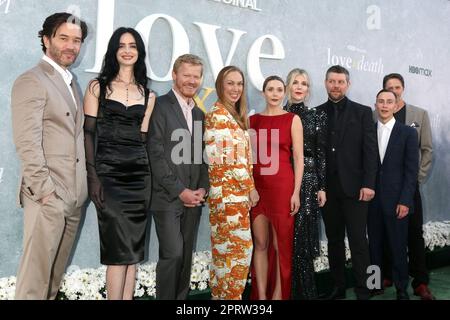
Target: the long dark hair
pixel 110 68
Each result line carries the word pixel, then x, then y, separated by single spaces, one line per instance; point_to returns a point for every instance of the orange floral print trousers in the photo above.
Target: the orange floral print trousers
pixel 231 246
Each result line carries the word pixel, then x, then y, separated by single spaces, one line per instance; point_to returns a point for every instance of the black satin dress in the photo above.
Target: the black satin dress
pixel 123 168
pixel 307 220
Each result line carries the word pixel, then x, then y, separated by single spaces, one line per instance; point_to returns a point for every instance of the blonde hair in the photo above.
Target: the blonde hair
pixel 290 81
pixel 189 59
pixel 239 110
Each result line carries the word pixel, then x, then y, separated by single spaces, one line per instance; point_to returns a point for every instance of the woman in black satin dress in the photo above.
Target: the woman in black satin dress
pixel 312 194
pixel 117 107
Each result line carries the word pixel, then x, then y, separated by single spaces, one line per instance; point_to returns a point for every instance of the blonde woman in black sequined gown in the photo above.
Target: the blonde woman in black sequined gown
pixel 312 194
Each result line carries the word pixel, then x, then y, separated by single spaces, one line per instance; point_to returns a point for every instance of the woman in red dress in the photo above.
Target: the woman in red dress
pixel 277 139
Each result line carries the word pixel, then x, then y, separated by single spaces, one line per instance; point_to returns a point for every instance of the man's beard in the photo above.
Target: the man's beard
pixel 58 56
pixel 336 99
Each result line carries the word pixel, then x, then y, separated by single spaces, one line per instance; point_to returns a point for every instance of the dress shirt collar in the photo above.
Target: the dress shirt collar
pixel 185 105
pixel 66 75
pixel 389 124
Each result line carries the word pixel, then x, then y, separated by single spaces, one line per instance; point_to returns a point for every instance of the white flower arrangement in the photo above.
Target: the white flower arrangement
pixel 321 262
pixel 83 284
pixel 200 270
pixel 436 234
pixel 89 284
pixel 7 288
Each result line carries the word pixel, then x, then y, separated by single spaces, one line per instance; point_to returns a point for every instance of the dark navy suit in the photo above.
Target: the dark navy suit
pixel 395 184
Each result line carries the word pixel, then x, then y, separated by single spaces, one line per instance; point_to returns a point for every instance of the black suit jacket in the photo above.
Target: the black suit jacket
pixel 397 176
pixel 356 148
pixel 176 156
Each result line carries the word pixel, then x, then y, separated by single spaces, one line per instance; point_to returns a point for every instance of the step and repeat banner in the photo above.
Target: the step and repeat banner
pixel 263 37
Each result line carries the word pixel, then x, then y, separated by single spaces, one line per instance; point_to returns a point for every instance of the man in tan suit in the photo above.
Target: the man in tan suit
pixel 47 119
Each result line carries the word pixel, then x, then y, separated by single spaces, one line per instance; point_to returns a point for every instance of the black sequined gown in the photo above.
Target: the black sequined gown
pixel 307 220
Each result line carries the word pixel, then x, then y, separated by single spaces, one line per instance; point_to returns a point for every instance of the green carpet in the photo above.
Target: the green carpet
pixel 438 262
pixel 439 286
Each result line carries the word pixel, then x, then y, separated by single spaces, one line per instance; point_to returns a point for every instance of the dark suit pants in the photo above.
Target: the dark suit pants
pixel 416 247
pixel 387 228
pixel 177 233
pixel 342 213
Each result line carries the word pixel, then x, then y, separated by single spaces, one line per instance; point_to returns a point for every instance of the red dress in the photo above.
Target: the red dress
pixel 274 180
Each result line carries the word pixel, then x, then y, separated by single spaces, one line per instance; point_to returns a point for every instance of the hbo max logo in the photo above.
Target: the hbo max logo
pixel 420 71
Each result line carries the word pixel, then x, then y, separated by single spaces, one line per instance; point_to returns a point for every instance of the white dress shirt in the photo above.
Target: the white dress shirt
pixel 186 107
pixel 384 133
pixel 66 75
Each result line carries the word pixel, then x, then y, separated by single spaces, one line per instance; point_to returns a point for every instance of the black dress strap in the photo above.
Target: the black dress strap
pixel 144 134
pixel 146 93
pixel 101 96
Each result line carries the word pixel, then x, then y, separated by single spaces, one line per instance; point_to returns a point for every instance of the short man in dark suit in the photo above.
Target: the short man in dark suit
pixel 351 170
pixel 180 177
pixel 389 211
pixel 417 118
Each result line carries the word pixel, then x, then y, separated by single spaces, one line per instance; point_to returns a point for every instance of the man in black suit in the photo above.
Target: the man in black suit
pixel 180 177
pixel 351 170
pixel 398 163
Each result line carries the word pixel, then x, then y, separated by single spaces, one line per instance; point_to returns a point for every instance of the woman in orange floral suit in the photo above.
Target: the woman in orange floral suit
pixel 232 192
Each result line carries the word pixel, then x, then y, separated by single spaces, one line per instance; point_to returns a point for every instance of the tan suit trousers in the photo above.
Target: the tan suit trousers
pixel 48 236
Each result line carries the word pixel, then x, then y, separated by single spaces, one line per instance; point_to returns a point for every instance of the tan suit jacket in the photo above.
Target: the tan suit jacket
pixel 418 118
pixel 48 134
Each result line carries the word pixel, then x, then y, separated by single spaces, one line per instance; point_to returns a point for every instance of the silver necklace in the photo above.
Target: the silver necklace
pixel 127 84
